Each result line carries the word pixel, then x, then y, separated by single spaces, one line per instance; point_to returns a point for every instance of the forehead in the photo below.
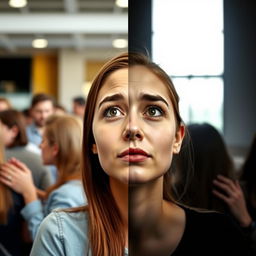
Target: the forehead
pixel 133 81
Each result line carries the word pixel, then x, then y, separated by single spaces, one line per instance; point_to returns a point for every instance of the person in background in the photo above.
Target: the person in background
pixel 11 240
pixel 241 199
pixel 42 106
pixel 4 104
pixel 59 109
pixel 61 146
pixel 17 145
pixel 210 159
pixel 132 130
pixel 79 106
pixel 27 116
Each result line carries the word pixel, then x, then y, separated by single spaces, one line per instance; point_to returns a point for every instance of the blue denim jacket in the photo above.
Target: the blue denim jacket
pixel 63 234
pixel 68 195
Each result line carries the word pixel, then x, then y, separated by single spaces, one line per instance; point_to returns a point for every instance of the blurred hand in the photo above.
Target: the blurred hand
pixel 17 176
pixel 234 197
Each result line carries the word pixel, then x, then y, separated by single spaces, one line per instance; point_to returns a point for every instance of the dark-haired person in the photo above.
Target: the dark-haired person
pixel 16 144
pixel 241 199
pixel 42 106
pixel 210 158
pixel 5 104
pixel 79 106
pixel 132 130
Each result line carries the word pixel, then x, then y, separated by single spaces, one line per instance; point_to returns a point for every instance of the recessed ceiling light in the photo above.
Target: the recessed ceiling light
pixel 39 43
pixel 17 3
pixel 120 43
pixel 122 3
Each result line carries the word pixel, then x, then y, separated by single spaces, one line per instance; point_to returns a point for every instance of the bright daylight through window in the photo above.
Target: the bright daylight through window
pixel 188 43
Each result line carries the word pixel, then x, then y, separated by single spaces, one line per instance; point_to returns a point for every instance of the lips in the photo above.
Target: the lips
pixel 134 155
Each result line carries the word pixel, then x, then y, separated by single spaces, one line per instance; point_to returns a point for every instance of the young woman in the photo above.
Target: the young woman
pixel 61 146
pixel 132 128
pixel 17 146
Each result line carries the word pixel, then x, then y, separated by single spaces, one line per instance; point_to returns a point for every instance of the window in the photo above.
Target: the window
pixel 188 44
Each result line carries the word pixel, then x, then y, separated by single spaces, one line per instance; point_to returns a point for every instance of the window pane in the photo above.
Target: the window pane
pixel 188 36
pixel 201 100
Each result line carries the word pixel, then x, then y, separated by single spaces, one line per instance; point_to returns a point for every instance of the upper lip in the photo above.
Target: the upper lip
pixel 133 151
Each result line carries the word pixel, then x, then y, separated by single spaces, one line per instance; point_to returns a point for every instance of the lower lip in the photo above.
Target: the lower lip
pixel 134 158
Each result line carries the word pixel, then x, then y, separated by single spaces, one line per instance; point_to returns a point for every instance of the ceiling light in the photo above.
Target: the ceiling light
pixel 122 3
pixel 120 43
pixel 17 3
pixel 39 43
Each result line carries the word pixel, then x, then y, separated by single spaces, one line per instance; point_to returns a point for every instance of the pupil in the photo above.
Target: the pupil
pixel 113 112
pixel 152 111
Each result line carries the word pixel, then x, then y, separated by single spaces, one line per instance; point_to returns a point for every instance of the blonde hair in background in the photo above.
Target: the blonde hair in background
pixel 66 132
pixel 5 193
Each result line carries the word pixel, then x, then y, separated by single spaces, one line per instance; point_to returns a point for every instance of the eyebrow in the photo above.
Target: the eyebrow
pixel 114 97
pixel 150 97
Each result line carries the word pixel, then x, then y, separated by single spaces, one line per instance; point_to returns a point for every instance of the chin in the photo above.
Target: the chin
pixel 141 176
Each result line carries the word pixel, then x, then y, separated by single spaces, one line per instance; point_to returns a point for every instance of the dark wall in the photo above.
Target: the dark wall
pixel 240 73
pixel 15 75
pixel 140 26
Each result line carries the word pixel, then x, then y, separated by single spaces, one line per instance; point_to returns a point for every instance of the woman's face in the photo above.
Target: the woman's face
pixel 134 126
pixel 8 134
pixel 49 151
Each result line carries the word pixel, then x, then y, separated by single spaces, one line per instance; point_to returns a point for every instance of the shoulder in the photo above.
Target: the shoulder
pixel 71 187
pixel 63 232
pixel 70 194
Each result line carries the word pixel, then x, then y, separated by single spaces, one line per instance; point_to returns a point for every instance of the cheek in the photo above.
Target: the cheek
pixel 105 140
pixel 163 141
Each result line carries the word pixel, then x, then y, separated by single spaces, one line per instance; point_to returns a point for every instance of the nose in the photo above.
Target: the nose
pixel 133 130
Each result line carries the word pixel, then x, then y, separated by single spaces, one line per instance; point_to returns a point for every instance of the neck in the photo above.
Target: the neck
pixel 145 206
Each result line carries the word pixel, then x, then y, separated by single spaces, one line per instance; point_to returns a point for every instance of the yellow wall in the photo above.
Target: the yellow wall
pixel 44 75
pixel 92 68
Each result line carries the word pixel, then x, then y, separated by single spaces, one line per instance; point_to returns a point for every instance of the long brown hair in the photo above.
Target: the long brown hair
pixel 5 193
pixel 210 158
pixel 66 132
pixel 106 230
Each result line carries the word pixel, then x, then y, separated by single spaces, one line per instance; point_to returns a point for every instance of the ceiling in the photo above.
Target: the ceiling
pixel 75 24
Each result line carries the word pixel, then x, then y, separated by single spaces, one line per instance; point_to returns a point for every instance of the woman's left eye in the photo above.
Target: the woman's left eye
pixel 154 111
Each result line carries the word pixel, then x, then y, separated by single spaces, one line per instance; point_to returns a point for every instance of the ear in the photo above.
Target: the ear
pixel 178 139
pixel 94 149
pixel 55 149
pixel 14 131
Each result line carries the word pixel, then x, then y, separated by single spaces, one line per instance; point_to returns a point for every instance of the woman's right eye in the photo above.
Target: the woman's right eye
pixel 112 112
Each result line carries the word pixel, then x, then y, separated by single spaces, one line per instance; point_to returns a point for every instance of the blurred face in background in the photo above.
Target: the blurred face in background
pixel 41 111
pixel 78 109
pixel 8 135
pixel 49 151
pixel 3 106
